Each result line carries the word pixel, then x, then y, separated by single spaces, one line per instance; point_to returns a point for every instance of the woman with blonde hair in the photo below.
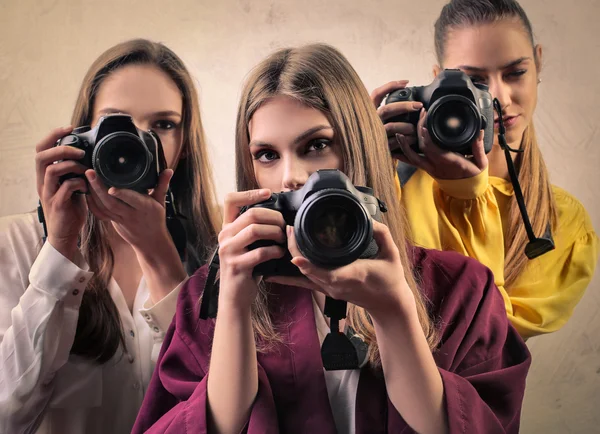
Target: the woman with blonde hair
pixel 85 301
pixel 468 205
pixel 434 350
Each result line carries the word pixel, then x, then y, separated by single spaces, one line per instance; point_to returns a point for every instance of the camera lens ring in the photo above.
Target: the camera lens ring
pixel 472 122
pixel 102 153
pixel 356 239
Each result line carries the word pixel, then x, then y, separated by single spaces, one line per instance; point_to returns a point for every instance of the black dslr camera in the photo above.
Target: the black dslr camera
pixel 331 220
pixel 122 155
pixel 457 109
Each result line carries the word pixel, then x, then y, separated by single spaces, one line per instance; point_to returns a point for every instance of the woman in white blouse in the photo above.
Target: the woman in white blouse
pixel 83 314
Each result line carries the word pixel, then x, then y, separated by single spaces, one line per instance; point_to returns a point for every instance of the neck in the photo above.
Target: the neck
pixel 497 163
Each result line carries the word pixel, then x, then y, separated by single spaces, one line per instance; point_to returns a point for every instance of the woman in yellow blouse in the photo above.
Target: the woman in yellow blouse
pixel 468 204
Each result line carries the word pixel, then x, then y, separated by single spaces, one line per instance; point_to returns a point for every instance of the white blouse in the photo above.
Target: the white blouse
pixel 43 388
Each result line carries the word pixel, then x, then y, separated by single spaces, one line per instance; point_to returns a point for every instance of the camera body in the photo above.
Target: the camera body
pixel 457 109
pixel 122 155
pixel 331 219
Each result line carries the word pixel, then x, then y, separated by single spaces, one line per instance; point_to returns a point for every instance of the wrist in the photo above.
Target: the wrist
pixel 161 255
pixel 401 310
pixel 465 188
pixel 67 248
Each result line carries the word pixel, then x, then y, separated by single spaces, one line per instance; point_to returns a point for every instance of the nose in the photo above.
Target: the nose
pixel 501 90
pixel 294 175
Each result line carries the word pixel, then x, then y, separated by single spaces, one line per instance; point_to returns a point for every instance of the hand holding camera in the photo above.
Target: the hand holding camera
pixel 452 138
pixel 121 163
pixel 64 211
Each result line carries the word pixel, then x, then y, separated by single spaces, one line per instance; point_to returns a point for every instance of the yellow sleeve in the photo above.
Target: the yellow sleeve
pixel 545 294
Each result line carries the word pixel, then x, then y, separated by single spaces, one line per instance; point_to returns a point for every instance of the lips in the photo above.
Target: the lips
pixel 508 121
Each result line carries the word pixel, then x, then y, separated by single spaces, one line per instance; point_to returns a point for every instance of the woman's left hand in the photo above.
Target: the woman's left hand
pixel 140 219
pixel 378 285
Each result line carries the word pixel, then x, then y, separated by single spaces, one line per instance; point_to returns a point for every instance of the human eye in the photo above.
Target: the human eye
pixel 164 125
pixel 516 74
pixel 318 145
pixel 477 79
pixel 265 156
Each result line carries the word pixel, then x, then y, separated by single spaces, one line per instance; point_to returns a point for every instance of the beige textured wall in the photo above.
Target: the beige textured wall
pixel 46 46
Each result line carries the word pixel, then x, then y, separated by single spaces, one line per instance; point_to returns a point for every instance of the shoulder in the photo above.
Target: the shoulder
pixel 455 285
pixel 573 218
pixel 21 225
pixel 21 233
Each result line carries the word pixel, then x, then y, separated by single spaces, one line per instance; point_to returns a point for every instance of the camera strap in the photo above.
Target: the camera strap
pixel 210 294
pixel 536 246
pixel 42 220
pixel 337 352
pixel 175 226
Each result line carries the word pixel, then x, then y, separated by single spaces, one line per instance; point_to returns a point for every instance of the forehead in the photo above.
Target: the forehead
pixel 283 117
pixel 487 46
pixel 135 88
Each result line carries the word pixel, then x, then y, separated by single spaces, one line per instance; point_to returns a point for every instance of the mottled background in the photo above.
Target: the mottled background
pixel 47 45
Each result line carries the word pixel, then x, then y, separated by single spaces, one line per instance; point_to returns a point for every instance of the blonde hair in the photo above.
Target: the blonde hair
pixel 320 77
pixel 99 330
pixel 533 175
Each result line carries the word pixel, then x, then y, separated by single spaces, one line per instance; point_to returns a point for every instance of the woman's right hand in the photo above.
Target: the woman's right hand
pixel 237 285
pixel 387 111
pixel 64 211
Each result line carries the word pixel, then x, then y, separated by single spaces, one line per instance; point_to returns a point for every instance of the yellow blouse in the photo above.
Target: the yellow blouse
pixel 466 216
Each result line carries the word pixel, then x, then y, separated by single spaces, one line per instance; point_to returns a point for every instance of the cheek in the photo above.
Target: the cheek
pixel 267 177
pixel 172 144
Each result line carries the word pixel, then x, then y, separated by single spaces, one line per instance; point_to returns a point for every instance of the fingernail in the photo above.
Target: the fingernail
pixel 417 105
pixel 91 176
pixel 112 191
pixel 400 139
pixel 265 192
pixel 402 82
pixel 81 152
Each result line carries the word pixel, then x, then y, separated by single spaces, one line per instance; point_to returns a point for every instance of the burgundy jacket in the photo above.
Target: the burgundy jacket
pixel 482 360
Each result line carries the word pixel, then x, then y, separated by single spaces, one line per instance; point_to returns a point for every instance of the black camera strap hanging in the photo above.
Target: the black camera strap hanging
pixel 536 246
pixel 210 294
pixel 175 226
pixel 337 351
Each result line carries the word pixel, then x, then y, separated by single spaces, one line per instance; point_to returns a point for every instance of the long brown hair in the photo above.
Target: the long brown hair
pixel 319 76
pixel 99 331
pixel 533 174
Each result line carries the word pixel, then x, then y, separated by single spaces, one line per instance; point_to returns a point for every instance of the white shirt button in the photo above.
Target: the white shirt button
pixel 147 316
pixel 136 385
pixel 132 333
pixel 131 360
pixel 75 291
pixel 156 330
pixel 81 279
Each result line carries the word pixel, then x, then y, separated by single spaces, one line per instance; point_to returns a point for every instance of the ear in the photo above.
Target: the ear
pixel 537 51
pixel 436 70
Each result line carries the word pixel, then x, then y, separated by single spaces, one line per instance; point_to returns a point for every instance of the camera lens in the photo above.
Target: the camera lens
pixel 122 159
pixel 332 228
pixel 454 122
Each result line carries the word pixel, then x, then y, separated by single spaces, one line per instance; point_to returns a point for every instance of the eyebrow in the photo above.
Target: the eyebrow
pixel 110 110
pixel 508 65
pixel 299 138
